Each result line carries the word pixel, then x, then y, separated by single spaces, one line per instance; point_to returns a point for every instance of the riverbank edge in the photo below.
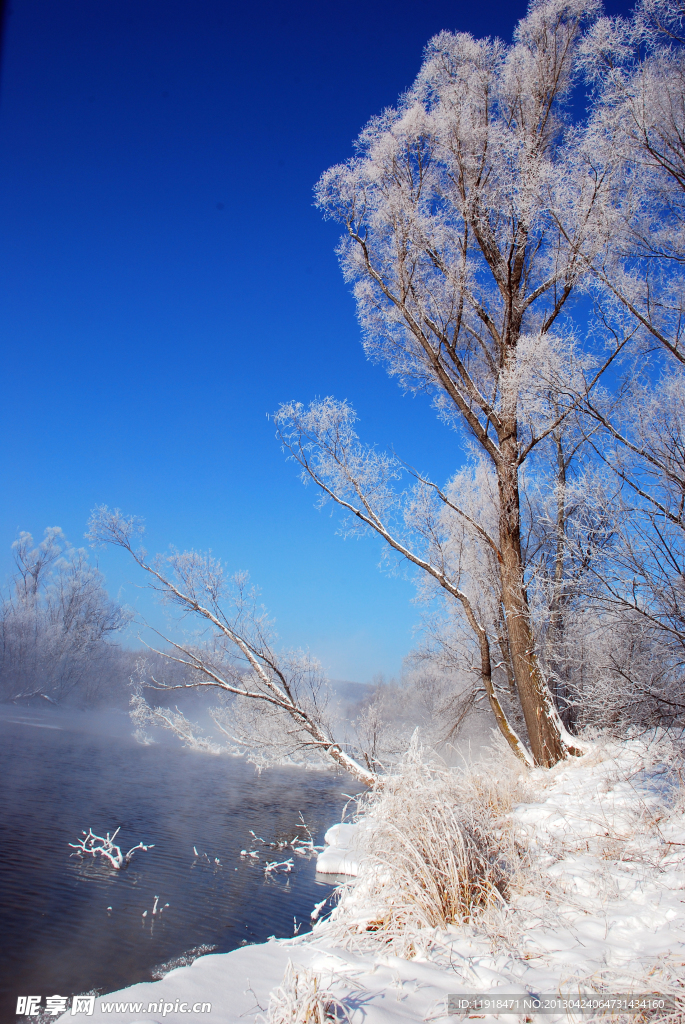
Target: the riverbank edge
pixel 235 987
pixel 586 917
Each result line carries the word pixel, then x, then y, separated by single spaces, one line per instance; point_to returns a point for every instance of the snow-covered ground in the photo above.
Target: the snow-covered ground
pixel 596 903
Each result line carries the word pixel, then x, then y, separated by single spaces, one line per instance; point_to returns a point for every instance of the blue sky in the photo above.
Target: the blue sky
pixel 166 283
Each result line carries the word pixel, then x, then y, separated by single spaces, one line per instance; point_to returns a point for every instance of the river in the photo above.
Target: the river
pixel 71 925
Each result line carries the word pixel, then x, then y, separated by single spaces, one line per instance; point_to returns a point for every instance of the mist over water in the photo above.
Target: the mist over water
pixel 64 774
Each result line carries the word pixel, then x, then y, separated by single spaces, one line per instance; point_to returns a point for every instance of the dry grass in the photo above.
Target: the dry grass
pixel 666 979
pixel 300 999
pixel 438 850
pixel 442 848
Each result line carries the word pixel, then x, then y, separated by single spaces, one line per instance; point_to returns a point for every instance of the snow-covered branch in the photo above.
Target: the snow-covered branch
pixel 286 692
pixel 105 847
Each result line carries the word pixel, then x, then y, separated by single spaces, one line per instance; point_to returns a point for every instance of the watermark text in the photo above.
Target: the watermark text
pixel 32 1006
pixel 588 1004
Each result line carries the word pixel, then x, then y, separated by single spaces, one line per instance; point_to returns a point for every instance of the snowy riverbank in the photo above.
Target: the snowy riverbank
pixel 596 903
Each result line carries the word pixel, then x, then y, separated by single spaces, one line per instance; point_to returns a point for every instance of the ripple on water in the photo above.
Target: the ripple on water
pixel 69 924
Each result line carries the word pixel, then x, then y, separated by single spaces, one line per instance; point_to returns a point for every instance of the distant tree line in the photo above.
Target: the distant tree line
pixel 59 629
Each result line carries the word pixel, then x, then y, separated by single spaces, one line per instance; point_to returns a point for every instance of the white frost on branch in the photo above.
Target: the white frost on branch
pixel 106 847
pixel 281 698
pixel 174 721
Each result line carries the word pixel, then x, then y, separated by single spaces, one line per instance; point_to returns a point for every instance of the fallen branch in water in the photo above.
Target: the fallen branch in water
pixel 106 848
pixel 285 865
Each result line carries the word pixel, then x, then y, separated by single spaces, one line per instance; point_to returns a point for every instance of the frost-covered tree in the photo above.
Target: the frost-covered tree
pixel 57 624
pixel 569 506
pixel 451 544
pixel 462 271
pixel 643 584
pixel 277 707
pixel 635 142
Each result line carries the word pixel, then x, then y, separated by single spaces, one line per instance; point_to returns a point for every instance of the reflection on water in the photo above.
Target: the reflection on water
pixel 72 925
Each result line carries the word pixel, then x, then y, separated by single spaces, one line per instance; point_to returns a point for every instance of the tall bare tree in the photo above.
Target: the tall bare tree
pixel 462 272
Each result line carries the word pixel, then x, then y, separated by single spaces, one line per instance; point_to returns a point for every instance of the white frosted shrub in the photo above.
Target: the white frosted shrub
pixel 438 850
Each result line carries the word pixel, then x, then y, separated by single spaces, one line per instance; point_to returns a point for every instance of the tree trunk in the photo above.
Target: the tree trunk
pixel 500 717
pixel 542 721
pixel 486 678
pixel 556 614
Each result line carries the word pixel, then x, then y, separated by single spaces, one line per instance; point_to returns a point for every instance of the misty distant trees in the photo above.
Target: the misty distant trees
pixel 58 627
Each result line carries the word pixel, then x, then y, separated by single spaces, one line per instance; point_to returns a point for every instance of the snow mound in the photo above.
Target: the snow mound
pixel 341 854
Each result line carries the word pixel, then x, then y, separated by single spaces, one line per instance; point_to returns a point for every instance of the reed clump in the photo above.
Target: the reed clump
pixel 438 850
pixel 302 999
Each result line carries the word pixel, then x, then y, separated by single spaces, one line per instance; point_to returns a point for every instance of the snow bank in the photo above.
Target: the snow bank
pixel 599 903
pixel 341 854
pixel 609 835
pixel 376 989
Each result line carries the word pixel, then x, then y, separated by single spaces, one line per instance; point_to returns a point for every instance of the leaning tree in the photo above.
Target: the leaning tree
pixel 276 705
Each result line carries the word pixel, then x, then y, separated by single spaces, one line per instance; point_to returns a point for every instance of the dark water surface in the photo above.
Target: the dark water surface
pixel 59 776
